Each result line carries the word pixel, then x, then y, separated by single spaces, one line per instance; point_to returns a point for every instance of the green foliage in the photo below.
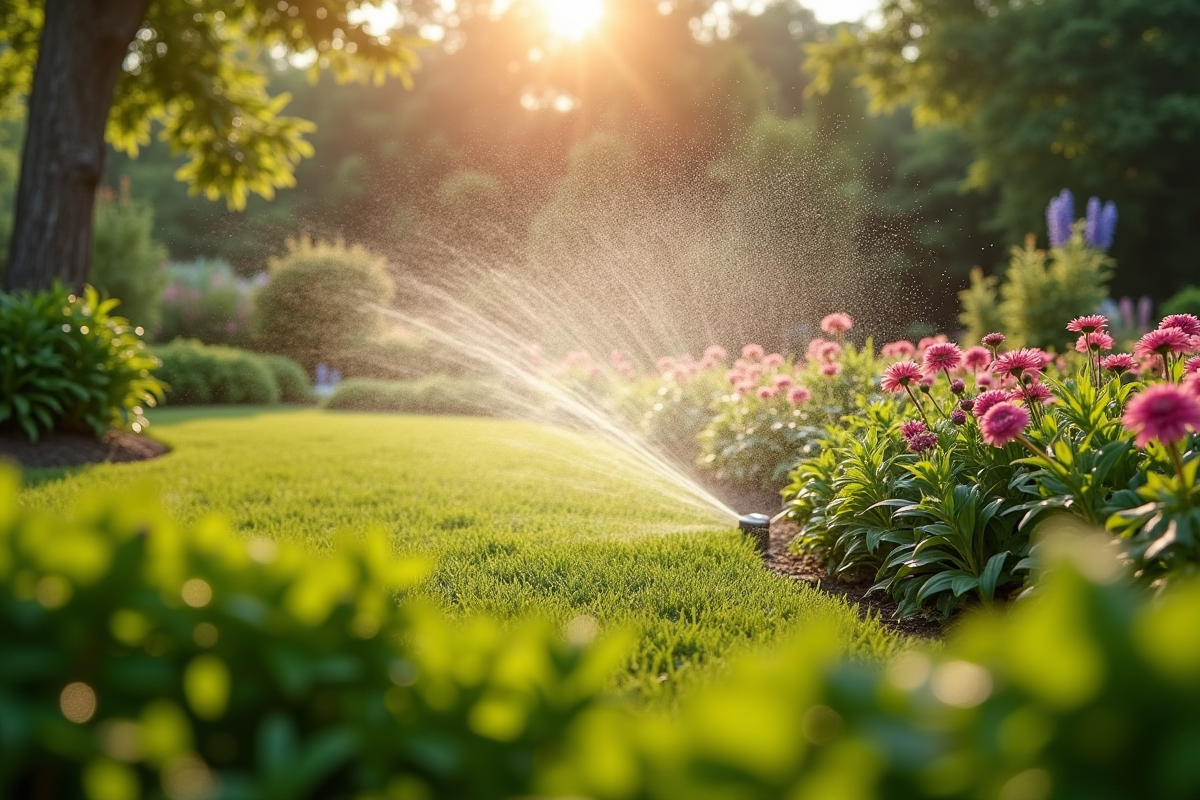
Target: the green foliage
pixel 127 263
pixel 68 363
pixel 199 374
pixel 194 73
pixel 672 412
pixel 1037 292
pixel 322 299
pixel 290 379
pixel 139 653
pixel 435 394
pixel 205 300
pixel 1185 301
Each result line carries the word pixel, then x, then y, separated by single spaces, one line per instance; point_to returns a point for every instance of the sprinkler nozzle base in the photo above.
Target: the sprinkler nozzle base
pixel 758 528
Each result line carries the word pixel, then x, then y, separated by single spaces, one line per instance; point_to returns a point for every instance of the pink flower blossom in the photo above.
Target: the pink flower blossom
pixel 745 387
pixel 798 394
pixel 616 358
pixel 665 364
pixel 1002 423
pixel 828 351
pixel 922 442
pixel 1187 323
pixel 733 377
pixel 831 369
pixel 977 358
pixel 1192 365
pixel 1026 362
pixel 1118 362
pixel 814 348
pixel 766 392
pixel 1035 392
pixel 1163 341
pixel 912 428
pixel 1088 324
pixel 984 381
pixel 930 341
pixel 837 323
pixel 716 353
pixel 753 351
pixel 773 360
pixel 783 381
pixel 942 356
pixel 900 349
pixel 958 417
pixel 899 375
pixel 986 401
pixel 993 340
pixel 1163 411
pixel 957 386
pixel 1097 340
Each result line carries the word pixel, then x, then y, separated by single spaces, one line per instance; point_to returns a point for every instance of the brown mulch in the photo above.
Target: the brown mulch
pixel 808 568
pixel 77 449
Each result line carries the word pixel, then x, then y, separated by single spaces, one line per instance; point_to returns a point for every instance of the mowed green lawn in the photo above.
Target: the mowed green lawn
pixel 519 519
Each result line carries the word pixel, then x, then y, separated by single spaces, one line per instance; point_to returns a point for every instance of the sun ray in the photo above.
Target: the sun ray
pixel 572 19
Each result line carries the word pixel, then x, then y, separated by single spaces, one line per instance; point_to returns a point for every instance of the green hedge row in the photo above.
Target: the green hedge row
pixel 436 394
pixel 142 660
pixel 200 374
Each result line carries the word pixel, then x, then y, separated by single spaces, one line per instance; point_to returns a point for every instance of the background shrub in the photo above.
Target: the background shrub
pixel 127 263
pixel 204 299
pixel 436 394
pixel 290 379
pixel 1185 301
pixel 320 301
pixel 68 363
pixel 199 374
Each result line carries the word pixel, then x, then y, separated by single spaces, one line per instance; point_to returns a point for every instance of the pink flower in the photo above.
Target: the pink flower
pixel 798 394
pixel 1088 324
pixel 912 428
pixel 753 351
pixel 1035 392
pixel 1164 411
pixel 716 353
pixel 900 349
pixel 1192 365
pixel 766 392
pixel 957 386
pixel 899 375
pixel 942 356
pixel 709 363
pixel 831 369
pixel 928 341
pixel 616 358
pixel 986 401
pixel 1027 361
pixel 773 360
pixel 1002 423
pixel 1187 323
pixel 922 442
pixel 1118 362
pixel 733 376
pixel 1097 340
pixel 984 381
pixel 958 417
pixel 814 348
pixel 665 364
pixel 745 387
pixel 827 351
pixel 977 357
pixel 783 381
pixel 1163 341
pixel 993 340
pixel 837 323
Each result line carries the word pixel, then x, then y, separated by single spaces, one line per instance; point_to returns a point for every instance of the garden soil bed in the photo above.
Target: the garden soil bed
pixel 77 449
pixel 808 569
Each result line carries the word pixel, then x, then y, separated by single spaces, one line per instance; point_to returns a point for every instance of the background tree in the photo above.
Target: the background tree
pixel 191 69
pixel 1103 98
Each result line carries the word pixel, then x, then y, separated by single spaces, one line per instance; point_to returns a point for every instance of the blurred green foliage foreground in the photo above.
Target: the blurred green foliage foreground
pixel 142 659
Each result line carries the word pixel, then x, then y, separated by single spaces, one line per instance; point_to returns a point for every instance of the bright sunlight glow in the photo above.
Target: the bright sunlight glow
pixel 572 19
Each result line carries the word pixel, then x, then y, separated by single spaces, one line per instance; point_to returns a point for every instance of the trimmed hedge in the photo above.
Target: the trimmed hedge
pixel 436 394
pixel 200 374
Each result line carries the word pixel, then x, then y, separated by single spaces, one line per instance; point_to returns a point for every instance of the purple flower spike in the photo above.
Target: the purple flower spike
pixel 1060 216
pixel 1108 224
pixel 1101 223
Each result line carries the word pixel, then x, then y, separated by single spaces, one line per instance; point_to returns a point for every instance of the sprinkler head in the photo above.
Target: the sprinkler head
pixel 758 528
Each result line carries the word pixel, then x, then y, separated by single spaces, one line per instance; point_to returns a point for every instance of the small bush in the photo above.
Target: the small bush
pixel 290 378
pixel 205 300
pixel 68 363
pixel 1185 301
pixel 127 263
pixel 437 394
pixel 321 301
pixel 199 374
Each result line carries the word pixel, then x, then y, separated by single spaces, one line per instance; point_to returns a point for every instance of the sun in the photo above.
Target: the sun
pixel 572 19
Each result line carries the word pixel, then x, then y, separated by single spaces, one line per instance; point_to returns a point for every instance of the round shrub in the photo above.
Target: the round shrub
pixel 290 379
pixel 1185 301
pixel 320 301
pixel 68 363
pixel 198 374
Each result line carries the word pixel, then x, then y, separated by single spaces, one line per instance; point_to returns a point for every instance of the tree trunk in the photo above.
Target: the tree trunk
pixel 82 47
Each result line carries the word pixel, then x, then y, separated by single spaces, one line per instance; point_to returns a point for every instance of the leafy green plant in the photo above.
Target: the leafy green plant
pixel 322 299
pixel 127 262
pixel 68 363
pixel 199 374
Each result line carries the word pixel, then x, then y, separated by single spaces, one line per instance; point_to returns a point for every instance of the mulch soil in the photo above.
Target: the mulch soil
pixel 807 568
pixel 77 449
